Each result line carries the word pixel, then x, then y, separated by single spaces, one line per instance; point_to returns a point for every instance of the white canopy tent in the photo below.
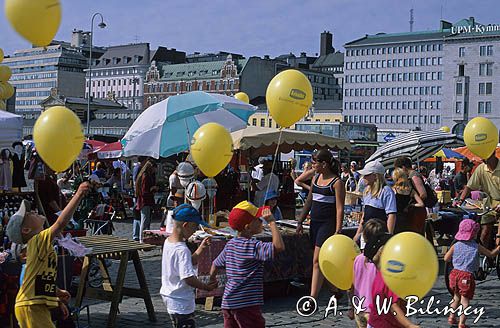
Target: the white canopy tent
pixel 11 129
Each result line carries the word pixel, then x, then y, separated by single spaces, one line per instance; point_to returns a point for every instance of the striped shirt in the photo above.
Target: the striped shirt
pixel 243 259
pixel 323 208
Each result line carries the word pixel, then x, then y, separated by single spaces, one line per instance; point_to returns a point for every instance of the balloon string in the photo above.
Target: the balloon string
pixel 274 162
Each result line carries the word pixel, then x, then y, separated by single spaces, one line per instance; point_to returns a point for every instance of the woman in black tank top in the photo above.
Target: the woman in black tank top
pixel 326 203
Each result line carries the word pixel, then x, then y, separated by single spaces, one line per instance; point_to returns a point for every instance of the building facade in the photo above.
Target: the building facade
pixel 35 71
pixel 326 76
pixel 472 66
pixel 229 77
pixel 396 81
pixel 108 117
pixel 121 70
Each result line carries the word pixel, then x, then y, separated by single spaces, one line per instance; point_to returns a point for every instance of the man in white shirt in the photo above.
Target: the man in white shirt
pixel 270 179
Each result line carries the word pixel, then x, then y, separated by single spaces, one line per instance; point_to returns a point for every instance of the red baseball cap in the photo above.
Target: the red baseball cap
pixel 242 214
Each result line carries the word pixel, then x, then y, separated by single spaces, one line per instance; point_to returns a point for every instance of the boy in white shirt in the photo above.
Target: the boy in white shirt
pixel 178 276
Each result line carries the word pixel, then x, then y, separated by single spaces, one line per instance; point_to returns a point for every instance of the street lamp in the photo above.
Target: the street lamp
pixel 101 25
pixel 135 80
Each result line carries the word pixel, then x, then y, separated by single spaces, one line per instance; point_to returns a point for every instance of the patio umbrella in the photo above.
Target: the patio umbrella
pixel 166 127
pixel 418 145
pixel 109 151
pixel 447 155
pixel 467 153
pixel 262 141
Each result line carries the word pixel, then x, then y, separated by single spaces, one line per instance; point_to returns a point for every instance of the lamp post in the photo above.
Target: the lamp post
pixel 101 25
pixel 135 80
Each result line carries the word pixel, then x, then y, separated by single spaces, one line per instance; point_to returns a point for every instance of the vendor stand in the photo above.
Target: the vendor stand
pixel 253 142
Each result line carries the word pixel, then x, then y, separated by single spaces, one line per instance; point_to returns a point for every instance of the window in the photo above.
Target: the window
pixel 459 89
pixel 489 50
pixel 485 88
pixel 461 70
pixel 458 107
pixel 486 69
pixel 262 122
pixel 461 52
pixel 482 51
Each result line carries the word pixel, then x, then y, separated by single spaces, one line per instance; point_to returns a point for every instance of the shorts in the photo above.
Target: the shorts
pixel 319 232
pixel 33 316
pixel 462 283
pixel 250 316
pixel 182 320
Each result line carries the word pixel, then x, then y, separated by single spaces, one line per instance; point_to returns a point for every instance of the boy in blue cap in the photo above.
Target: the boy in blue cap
pixel 178 276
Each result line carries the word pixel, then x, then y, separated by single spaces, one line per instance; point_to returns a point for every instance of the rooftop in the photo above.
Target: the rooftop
pixel 330 60
pixel 196 71
pixel 125 55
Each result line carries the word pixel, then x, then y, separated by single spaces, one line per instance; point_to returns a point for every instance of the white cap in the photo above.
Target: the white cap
pixel 372 167
pixel 353 163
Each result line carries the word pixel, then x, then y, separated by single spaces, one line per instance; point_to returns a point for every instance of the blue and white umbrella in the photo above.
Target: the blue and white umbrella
pixel 166 127
pixel 417 145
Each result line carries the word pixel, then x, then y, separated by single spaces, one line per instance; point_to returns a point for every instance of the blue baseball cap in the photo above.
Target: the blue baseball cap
pixel 271 195
pixel 187 213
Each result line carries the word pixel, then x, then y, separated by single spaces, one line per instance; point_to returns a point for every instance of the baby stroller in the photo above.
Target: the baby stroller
pixel 100 220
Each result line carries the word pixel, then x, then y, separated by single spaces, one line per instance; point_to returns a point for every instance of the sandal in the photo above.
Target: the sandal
pixel 462 325
pixel 452 320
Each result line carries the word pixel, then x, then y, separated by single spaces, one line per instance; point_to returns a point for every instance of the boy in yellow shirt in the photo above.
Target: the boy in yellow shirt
pixel 38 292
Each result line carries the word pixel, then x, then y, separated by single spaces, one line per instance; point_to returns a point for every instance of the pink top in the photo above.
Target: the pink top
pixel 364 274
pixel 382 320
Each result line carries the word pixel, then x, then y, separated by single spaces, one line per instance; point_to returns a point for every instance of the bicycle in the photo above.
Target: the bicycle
pixel 486 265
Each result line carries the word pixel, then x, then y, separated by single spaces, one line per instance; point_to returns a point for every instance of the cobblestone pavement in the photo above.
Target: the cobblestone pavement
pixel 278 311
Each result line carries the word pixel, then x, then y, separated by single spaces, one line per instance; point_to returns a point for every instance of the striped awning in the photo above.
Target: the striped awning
pixel 418 145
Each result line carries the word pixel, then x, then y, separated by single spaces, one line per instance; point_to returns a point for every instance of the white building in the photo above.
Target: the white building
pixel 472 66
pixel 395 81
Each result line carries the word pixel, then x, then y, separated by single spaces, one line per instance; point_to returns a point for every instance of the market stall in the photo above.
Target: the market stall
pixel 253 142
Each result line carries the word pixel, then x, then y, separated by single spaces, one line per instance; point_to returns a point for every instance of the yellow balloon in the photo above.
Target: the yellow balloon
pixel 58 137
pixel 445 129
pixel 5 73
pixel 289 96
pixel 36 21
pixel 336 260
pixel 211 148
pixel 3 105
pixel 481 137
pixel 6 90
pixel 243 97
pixel 1 55
pixel 409 265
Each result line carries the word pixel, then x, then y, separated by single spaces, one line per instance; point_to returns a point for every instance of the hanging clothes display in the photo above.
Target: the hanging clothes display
pixel 18 159
pixel 5 170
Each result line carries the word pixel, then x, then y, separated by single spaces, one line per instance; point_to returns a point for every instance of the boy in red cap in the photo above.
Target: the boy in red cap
pixel 243 259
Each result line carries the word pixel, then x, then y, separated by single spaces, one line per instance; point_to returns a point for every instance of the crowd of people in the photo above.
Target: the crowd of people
pixel 388 209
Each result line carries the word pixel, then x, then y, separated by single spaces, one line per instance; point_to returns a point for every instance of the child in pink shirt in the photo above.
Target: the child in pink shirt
pixel 395 317
pixel 364 273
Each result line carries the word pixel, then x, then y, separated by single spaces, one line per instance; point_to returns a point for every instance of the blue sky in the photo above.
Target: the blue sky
pixel 251 27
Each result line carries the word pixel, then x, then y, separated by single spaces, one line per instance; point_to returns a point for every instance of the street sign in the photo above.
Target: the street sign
pixel 389 137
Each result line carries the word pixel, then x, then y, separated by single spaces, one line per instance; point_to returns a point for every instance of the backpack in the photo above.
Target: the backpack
pixel 431 199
